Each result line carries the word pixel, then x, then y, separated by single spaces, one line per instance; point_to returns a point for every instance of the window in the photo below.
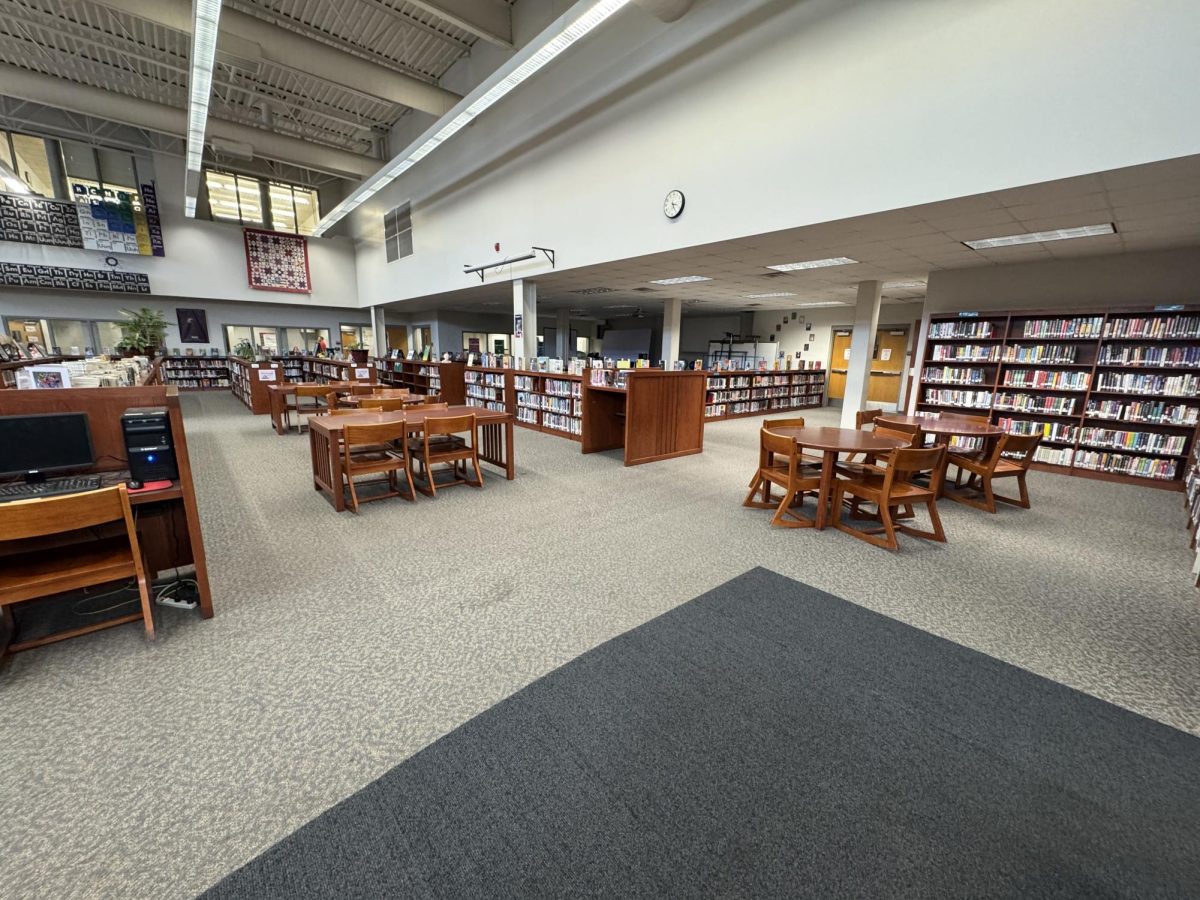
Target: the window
pixel 74 337
pixel 397 232
pixel 356 334
pixel 264 339
pixel 304 339
pixel 29 157
pixel 240 198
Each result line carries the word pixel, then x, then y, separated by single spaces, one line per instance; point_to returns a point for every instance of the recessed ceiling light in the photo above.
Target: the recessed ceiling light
pixel 766 296
pixel 683 279
pixel 814 264
pixel 1041 237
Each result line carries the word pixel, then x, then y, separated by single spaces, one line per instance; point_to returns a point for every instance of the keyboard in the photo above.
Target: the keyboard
pixel 55 488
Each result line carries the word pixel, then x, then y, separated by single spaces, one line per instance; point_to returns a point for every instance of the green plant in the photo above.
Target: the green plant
pixel 244 350
pixel 144 331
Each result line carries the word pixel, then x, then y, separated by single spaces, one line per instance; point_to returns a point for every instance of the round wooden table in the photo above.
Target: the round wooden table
pixel 356 399
pixel 947 426
pixel 832 441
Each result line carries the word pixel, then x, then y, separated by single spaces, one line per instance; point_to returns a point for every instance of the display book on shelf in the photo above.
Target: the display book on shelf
pixel 733 393
pixel 1114 394
pixel 196 373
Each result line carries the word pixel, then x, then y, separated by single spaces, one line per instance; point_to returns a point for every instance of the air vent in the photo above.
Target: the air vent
pixel 596 290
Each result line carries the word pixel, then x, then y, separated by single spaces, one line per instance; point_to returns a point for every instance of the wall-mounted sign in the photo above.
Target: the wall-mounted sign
pixel 68 279
pixel 518 330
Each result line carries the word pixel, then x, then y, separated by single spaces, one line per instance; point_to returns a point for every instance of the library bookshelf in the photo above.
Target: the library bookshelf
pixel 550 402
pixel 734 394
pixel 320 370
pixel 1115 394
pixel 196 373
pixel 421 377
pixel 249 380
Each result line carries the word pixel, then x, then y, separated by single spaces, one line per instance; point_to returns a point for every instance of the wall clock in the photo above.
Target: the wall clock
pixel 673 205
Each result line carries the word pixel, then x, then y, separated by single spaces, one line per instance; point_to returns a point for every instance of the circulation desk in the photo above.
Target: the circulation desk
pixel 657 415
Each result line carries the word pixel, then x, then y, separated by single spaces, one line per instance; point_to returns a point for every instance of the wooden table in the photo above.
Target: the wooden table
pixel 280 392
pixel 355 400
pixel 831 442
pixel 946 426
pixel 494 432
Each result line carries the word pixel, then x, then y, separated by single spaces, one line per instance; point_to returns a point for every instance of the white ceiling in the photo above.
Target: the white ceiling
pixel 1153 206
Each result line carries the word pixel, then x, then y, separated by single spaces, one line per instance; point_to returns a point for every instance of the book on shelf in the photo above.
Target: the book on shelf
pixel 1042 353
pixel 1145 383
pixel 1084 327
pixel 976 328
pixel 1156 412
pixel 966 352
pixel 1058 379
pixel 1157 328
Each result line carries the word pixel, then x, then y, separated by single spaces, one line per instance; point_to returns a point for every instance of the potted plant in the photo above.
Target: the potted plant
pixel 143 331
pixel 358 353
pixel 243 350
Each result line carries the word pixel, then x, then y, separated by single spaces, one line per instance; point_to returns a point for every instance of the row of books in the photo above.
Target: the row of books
pixel 1158 385
pixel 1125 355
pixel 1042 378
pixel 485 404
pixel 1050 431
pixel 1146 441
pixel 955 375
pixel 800 392
pixel 492 379
pixel 718 384
pixel 1042 353
pixel 192 363
pixel 569 424
pixel 957 330
pixel 564 405
pixel 485 392
pixel 968 399
pixel 1031 403
pixel 1158 412
pixel 560 388
pixel 1054 456
pixel 966 352
pixel 1119 463
pixel 714 411
pixel 1155 327
pixel 200 382
pixel 1083 327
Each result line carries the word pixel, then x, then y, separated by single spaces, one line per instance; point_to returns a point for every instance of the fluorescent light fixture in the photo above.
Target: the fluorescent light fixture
pixel 1041 237
pixel 682 279
pixel 905 285
pixel 817 303
pixel 768 296
pixel 560 35
pixel 814 264
pixel 206 15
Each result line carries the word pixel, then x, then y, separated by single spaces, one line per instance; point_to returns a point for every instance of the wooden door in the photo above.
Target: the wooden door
pixel 839 357
pixel 887 365
pixel 397 339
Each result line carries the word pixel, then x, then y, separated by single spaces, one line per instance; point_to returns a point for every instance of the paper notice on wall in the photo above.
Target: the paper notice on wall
pixel 362 374
pixel 885 354
pixel 846 353
pixel 266 374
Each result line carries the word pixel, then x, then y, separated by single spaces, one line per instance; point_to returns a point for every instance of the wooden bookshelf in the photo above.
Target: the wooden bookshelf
pixel 734 395
pixel 249 381
pixel 196 373
pixel 1115 395
pixel 421 377
pixel 550 402
pixel 657 415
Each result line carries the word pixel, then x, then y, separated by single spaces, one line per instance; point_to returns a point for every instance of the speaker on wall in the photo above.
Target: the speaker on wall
pixel 193 326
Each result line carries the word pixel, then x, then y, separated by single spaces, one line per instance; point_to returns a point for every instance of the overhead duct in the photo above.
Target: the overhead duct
pixel 666 10
pixel 55 92
pixel 249 37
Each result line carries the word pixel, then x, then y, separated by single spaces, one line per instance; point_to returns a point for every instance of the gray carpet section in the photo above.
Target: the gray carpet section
pixel 768 740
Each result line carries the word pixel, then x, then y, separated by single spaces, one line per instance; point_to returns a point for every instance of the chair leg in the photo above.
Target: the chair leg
pixel 147 606
pixel 988 497
pixel 412 489
pixel 478 472
pixel 936 533
pixel 353 493
pixel 885 516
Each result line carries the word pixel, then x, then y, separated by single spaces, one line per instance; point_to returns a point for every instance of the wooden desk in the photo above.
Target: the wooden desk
pixel 831 442
pixel 658 415
pixel 494 431
pixel 168 520
pixel 355 400
pixel 280 392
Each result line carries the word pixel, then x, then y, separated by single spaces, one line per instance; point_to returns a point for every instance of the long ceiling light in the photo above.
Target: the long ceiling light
pixel 1041 237
pixel 206 16
pixel 564 32
pixel 814 264
pixel 682 279
pixel 770 295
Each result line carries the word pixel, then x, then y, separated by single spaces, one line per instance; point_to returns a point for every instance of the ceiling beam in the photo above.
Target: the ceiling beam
pixel 246 35
pixel 73 97
pixel 486 19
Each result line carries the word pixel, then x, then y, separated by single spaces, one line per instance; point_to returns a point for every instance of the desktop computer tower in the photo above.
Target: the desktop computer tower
pixel 148 444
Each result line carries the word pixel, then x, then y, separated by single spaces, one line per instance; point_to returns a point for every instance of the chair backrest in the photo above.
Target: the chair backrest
pixel 977 420
pixel 866 416
pixel 901 432
pixel 428 405
pixel 1020 448
pixel 904 463
pixel 796 422
pixel 389 391
pixel 345 412
pixel 450 424
pixel 55 515
pixel 772 443
pixel 358 388
pixel 331 399
pixel 312 390
pixel 359 435
pixel 383 404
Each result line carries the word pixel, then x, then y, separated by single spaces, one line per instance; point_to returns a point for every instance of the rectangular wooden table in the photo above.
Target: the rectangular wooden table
pixel 494 432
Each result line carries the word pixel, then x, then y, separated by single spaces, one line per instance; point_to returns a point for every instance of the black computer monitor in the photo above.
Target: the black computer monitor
pixel 53 442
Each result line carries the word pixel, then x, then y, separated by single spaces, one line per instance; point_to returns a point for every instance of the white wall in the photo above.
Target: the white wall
pixel 794 335
pixel 203 259
pixel 771 115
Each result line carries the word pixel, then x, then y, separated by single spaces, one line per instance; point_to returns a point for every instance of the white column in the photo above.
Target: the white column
pixel 563 327
pixel 379 331
pixel 525 306
pixel 672 313
pixel 862 345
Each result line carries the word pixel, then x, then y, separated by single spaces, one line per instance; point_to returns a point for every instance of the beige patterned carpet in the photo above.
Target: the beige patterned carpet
pixel 344 644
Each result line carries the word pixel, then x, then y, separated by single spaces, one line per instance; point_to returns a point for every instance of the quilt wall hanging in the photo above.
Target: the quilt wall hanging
pixel 277 262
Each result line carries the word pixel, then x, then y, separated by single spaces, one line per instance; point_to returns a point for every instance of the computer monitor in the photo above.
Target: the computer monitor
pixel 52 442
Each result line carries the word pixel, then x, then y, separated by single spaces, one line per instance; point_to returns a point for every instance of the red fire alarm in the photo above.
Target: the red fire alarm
pixel 497 248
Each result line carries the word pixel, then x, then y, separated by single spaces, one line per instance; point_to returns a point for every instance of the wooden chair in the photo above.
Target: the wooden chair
pixel 44 572
pixel 866 417
pixel 392 391
pixel 1010 457
pixel 310 400
pixel 851 468
pixel 767 459
pixel 376 450
pixel 383 404
pixel 434 401
pixel 891 488
pixel 359 388
pixel 441 443
pixel 791 475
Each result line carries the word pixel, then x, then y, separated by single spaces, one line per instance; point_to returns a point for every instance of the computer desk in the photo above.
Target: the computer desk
pixel 168 520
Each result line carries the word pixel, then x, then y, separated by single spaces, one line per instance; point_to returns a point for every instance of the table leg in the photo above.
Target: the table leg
pixel 509 451
pixel 335 471
pixel 830 460
pixel 276 411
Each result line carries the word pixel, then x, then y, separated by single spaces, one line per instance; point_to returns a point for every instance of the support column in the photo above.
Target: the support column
pixel 862 344
pixel 379 332
pixel 563 338
pixel 672 313
pixel 525 306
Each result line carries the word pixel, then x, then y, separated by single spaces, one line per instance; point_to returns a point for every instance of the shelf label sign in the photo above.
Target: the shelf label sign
pixel 969 315
pixel 1168 307
pixel 362 374
pixel 266 374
